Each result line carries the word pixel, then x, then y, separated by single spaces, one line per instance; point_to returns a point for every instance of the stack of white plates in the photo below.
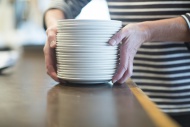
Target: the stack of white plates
pixel 83 53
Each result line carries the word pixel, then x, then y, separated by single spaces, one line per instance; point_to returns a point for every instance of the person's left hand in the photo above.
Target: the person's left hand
pixel 131 36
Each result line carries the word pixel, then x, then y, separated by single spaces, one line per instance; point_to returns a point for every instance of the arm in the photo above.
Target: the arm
pixel 58 9
pixel 175 29
pixel 52 16
pixel 50 20
pixel 133 35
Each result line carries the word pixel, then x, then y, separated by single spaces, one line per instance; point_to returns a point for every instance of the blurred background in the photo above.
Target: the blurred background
pixel 21 25
pixel 21 20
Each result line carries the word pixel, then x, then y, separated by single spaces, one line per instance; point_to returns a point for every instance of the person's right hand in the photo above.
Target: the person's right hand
pixel 49 52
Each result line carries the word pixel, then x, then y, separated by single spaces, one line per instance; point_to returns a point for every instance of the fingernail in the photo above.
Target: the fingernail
pixel 112 42
pixel 113 81
pixel 52 43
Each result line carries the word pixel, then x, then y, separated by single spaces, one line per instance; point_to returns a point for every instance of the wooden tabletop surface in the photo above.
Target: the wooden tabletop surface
pixel 29 98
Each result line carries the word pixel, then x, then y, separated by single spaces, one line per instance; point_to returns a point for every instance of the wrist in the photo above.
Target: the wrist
pixel 52 16
pixel 52 23
pixel 145 30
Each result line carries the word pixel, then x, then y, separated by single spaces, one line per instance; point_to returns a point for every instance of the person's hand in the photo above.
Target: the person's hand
pixel 49 52
pixel 131 36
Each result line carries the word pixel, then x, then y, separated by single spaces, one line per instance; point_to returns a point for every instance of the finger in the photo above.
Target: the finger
pixel 122 66
pixel 121 70
pixel 62 81
pixel 50 61
pixel 51 72
pixel 118 37
pixel 128 73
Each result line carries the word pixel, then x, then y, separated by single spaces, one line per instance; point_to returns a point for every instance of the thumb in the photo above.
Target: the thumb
pixel 53 44
pixel 52 39
pixel 117 38
pixel 51 36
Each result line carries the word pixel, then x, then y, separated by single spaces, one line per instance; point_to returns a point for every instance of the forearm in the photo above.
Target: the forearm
pixel 60 9
pixel 52 16
pixel 174 29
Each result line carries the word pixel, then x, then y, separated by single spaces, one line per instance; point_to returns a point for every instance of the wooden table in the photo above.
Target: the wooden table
pixel 29 98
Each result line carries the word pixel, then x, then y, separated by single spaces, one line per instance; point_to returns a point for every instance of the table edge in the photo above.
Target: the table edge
pixel 159 118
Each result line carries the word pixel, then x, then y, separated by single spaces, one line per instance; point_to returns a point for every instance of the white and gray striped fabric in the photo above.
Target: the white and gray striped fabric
pixel 161 69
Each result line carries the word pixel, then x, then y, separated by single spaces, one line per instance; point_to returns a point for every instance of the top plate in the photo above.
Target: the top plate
pixel 88 21
pixel 89 27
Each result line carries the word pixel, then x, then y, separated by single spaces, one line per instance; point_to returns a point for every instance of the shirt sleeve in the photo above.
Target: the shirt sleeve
pixel 187 19
pixel 71 8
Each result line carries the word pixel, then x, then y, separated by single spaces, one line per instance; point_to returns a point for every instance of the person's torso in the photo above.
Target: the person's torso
pixel 161 69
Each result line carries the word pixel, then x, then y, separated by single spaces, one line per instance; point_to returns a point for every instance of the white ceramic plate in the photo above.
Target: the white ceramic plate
pixel 75 25
pixel 85 53
pixel 86 59
pixel 87 77
pixel 82 64
pixel 84 76
pixel 86 82
pixel 88 48
pixel 92 44
pixel 85 71
pixel 63 43
pixel 94 32
pixel 93 28
pixel 89 21
pixel 79 35
pixel 100 26
pixel 84 28
pixel 91 51
pixel 66 69
pixel 85 46
pixel 86 64
pixel 89 61
pixel 81 41
pixel 88 52
pixel 61 39
pixel 76 81
pixel 83 38
pixel 87 56
pixel 89 66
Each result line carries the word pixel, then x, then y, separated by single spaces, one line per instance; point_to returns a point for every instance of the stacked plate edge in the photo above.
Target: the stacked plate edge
pixel 83 53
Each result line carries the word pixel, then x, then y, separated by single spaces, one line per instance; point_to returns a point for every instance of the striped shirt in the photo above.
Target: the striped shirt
pixel 161 69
